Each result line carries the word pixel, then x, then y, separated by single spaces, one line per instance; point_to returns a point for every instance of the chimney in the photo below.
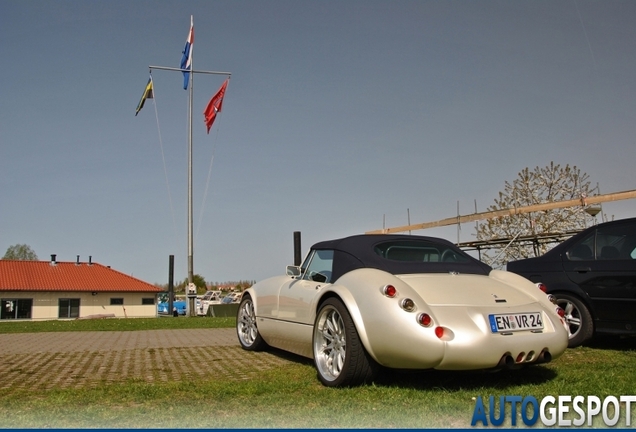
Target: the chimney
pixel 53 259
pixel 90 260
pixel 77 262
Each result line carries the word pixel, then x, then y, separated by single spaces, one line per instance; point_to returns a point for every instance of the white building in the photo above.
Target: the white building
pixel 46 290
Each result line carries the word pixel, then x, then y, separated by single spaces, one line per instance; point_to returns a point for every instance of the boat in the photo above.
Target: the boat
pixel 209 298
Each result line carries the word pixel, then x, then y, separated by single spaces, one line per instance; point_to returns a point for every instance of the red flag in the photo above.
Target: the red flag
pixel 214 106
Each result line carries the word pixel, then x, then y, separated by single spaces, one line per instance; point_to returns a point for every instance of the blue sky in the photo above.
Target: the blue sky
pixel 339 114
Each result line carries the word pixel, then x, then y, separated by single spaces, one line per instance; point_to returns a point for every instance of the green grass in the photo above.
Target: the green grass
pixel 116 324
pixel 290 396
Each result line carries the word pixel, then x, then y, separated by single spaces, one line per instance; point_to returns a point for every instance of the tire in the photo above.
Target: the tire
pixel 578 319
pixel 339 356
pixel 246 330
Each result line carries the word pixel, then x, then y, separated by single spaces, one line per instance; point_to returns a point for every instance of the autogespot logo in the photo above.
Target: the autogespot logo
pixel 564 411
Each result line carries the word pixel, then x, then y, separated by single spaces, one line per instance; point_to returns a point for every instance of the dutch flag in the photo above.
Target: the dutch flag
pixel 186 59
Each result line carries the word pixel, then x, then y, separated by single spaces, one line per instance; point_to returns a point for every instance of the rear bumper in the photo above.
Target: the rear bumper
pixel 468 343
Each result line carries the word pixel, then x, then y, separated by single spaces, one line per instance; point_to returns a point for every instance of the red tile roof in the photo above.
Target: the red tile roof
pixel 66 276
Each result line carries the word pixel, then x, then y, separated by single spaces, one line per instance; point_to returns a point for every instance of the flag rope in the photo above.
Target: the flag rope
pixel 165 169
pixel 207 183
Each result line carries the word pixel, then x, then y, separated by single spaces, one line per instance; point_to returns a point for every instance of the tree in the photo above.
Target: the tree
pixel 542 185
pixel 20 252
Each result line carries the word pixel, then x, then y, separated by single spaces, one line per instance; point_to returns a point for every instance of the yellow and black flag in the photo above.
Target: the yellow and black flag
pixel 147 95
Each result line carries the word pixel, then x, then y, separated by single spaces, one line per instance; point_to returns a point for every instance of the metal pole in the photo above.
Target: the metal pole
pixel 459 227
pixel 170 284
pixel 191 298
pixel 297 257
pixel 192 71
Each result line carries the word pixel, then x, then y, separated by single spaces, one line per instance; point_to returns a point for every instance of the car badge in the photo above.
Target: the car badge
pixel 497 299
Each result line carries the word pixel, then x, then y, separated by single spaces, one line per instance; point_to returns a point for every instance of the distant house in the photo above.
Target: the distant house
pixel 47 290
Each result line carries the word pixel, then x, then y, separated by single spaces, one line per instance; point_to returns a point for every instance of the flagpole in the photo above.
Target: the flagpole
pixel 191 302
pixel 191 296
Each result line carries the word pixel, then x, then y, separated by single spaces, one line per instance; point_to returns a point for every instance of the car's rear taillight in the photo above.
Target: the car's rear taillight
pixel 424 320
pixel 439 332
pixel 389 291
pixel 542 286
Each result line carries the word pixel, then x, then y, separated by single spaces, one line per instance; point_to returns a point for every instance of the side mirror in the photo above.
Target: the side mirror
pixel 293 271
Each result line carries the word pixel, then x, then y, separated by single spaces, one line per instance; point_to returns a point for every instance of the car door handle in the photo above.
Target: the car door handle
pixel 582 269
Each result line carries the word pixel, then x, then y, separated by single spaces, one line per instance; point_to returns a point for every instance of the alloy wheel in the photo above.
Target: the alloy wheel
pixel 330 343
pixel 246 323
pixel 572 316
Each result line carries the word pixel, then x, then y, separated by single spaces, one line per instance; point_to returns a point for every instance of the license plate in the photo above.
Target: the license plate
pixel 515 322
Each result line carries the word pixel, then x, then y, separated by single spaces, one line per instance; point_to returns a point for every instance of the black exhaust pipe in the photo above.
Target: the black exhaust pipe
pixel 506 362
pixel 544 357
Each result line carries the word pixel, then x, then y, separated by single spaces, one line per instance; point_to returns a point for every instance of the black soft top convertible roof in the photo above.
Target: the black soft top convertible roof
pixel 361 251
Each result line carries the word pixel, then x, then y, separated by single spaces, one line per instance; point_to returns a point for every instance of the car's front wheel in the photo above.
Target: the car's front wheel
pixel 248 335
pixel 577 318
pixel 339 355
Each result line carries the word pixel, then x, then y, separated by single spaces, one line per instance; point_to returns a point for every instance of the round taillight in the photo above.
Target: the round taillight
pixel 424 320
pixel 408 305
pixel 542 286
pixel 389 291
pixel 560 312
pixel 439 332
pixel 520 357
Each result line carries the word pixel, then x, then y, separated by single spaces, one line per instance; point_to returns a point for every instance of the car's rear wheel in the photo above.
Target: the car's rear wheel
pixel 578 319
pixel 339 355
pixel 246 329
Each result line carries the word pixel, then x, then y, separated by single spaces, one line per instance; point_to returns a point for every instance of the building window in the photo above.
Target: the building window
pixel 116 301
pixel 16 308
pixel 69 308
pixel 148 301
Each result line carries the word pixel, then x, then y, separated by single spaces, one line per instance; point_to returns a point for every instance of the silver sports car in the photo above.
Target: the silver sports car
pixel 404 302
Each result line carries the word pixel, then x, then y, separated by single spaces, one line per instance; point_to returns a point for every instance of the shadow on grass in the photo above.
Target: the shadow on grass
pixel 613 342
pixel 449 380
pixel 464 380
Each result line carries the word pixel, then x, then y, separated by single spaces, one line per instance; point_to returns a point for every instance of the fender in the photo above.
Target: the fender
pixel 361 290
pixel 341 292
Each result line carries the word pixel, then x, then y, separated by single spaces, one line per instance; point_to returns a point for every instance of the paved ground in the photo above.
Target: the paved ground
pixel 79 359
